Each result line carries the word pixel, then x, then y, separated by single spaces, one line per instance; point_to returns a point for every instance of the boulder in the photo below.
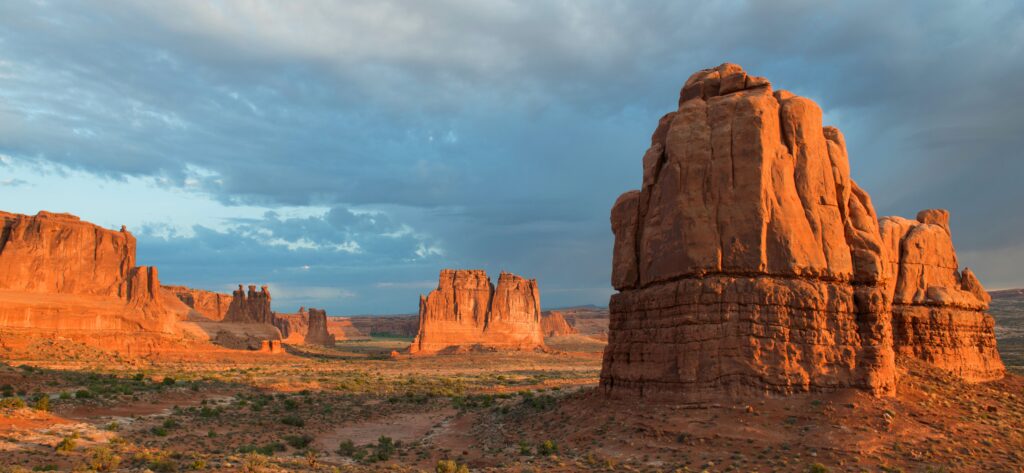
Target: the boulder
pixel 749 262
pixel 467 311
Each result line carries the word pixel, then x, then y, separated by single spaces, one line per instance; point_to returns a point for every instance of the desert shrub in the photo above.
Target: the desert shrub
pixel 817 468
pixel 293 420
pixel 103 459
pixel 525 448
pixel 7 390
pixel 253 463
pixel 450 466
pixel 11 403
pixel 542 402
pixel 64 395
pixel 290 404
pixel 113 426
pixel 346 448
pixel 83 394
pixel 159 431
pixel 43 403
pixel 207 412
pixel 170 424
pixel 168 381
pixel 298 441
pixel 67 444
pixel 385 448
pixel 547 447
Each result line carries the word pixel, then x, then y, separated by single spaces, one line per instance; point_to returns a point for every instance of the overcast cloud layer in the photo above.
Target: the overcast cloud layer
pixel 344 152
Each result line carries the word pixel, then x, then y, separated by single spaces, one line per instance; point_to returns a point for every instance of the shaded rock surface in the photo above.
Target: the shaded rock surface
pixel 553 324
pixel 387 325
pixel 209 304
pixel 750 262
pixel 466 310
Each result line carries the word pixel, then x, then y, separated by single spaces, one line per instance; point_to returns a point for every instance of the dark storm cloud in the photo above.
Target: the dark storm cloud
pixel 495 135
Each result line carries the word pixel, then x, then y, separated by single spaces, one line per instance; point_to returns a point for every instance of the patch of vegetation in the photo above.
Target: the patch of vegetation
pixel 103 459
pixel 298 441
pixel 12 403
pixel 67 444
pixel 450 466
pixel 293 420
pixel 547 447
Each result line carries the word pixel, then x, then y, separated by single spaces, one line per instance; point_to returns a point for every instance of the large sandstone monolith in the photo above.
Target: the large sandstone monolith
pixel 70 278
pixel 253 307
pixel 938 311
pixel 466 311
pixel 209 304
pixel 749 262
pixel 316 332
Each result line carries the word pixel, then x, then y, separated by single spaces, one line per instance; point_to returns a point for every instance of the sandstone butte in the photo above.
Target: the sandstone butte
pixel 307 326
pixel 209 304
pixel 467 311
pixel 252 308
pixel 749 262
pixel 553 324
pixel 60 275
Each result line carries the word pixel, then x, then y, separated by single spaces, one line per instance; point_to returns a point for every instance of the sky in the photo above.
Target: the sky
pixel 343 152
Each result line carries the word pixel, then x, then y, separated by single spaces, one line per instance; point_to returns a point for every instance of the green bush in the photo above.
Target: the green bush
pixel 83 394
pixel 168 381
pixel 385 448
pixel 11 403
pixel 103 459
pixel 293 420
pixel 547 447
pixel 298 441
pixel 43 403
pixel 450 466
pixel 159 431
pixel 346 448
pixel 68 443
pixel 817 468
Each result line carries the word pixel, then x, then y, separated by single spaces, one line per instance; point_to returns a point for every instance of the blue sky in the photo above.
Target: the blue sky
pixel 344 152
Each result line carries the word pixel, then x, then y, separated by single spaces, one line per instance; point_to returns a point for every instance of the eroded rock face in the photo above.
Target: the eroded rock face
pixel 938 311
pixel 466 311
pixel 73 279
pixel 317 333
pixel 553 324
pixel 749 261
pixel 253 307
pixel 387 325
pixel 209 304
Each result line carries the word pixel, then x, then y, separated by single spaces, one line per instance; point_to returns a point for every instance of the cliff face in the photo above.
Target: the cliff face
pixel 387 325
pixel 316 333
pixel 66 277
pixel 212 305
pixel 553 324
pixel 253 307
pixel 60 254
pixel 466 310
pixel 939 312
pixel 749 261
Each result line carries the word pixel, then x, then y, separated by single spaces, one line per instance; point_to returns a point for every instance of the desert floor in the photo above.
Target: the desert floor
pixel 354 407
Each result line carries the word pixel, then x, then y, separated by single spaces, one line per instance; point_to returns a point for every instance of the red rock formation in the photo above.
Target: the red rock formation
pixel 553 324
pixel 342 328
pixel 749 261
pixel 209 304
pixel 295 328
pixel 271 346
pixel 253 307
pixel 317 333
pixel 938 312
pixel 387 325
pixel 467 311
pixel 71 278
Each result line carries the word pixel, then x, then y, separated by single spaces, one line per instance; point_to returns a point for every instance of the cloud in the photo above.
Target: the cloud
pixel 489 135
pixel 12 182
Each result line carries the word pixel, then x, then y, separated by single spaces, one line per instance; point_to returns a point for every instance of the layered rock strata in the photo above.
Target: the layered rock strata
pixel 466 310
pixel 307 326
pixel 71 278
pixel 749 261
pixel 939 313
pixel 209 304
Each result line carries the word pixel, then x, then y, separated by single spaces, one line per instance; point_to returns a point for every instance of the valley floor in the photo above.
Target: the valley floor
pixel 354 407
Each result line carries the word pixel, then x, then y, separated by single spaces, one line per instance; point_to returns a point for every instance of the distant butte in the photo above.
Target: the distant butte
pixel 467 311
pixel 749 262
